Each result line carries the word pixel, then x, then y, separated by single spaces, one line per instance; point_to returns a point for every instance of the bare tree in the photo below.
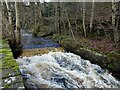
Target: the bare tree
pixel 84 27
pixel 35 13
pixel 56 17
pixel 69 24
pixel 92 14
pixel 17 34
pixel 9 12
pixel 10 27
pixel 115 21
pixel 75 21
pixel 40 10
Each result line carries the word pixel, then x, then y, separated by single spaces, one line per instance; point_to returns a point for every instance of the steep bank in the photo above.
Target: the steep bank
pixel 11 77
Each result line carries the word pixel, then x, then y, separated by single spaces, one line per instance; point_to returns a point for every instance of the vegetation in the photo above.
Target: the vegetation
pixel 9 67
pixel 7 57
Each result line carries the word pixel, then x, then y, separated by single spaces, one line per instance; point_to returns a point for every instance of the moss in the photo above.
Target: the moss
pixel 5 50
pixel 110 66
pixel 7 86
pixel 114 55
pixel 8 61
pixel 0 64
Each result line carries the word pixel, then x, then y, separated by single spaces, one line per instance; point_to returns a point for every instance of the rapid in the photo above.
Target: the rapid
pixel 64 70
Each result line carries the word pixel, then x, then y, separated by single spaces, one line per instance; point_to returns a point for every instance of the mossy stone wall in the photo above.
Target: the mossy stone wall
pixel 11 77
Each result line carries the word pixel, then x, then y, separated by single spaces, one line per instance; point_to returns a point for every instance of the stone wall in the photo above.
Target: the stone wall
pixel 11 77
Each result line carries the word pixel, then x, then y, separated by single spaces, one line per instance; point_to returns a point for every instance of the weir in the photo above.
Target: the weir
pixel 52 67
pixel 37 45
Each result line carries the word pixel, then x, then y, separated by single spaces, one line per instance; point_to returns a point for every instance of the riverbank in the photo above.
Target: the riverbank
pixel 11 77
pixel 106 56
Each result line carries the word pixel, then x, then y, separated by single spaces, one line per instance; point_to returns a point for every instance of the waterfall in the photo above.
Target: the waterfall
pixel 64 70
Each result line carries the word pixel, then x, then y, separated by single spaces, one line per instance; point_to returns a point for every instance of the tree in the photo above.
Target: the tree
pixel 11 30
pixel 92 14
pixel 69 24
pixel 62 17
pixel 17 34
pixel 115 21
pixel 56 16
pixel 84 27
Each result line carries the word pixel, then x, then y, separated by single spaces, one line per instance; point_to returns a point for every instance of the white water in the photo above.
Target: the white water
pixel 64 70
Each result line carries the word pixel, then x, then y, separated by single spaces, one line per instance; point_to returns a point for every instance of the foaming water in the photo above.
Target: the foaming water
pixel 64 70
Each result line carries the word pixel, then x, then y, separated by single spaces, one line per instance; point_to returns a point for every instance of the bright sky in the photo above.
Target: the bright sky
pixel 47 0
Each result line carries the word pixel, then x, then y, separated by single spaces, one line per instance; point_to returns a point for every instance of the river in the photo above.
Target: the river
pixel 30 42
pixel 62 70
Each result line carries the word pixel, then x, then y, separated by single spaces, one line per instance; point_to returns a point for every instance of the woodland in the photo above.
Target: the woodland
pixel 88 29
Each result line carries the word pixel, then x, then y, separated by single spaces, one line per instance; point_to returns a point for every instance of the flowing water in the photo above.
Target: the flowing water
pixel 60 69
pixel 64 70
pixel 30 42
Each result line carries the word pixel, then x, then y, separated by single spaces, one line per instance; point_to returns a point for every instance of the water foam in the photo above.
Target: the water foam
pixel 64 70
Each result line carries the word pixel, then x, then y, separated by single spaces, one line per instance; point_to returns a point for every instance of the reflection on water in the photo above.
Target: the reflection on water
pixel 64 70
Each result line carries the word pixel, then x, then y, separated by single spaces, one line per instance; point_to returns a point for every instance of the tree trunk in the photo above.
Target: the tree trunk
pixel 17 23
pixel 92 14
pixel 1 5
pixel 76 17
pixel 115 21
pixel 9 12
pixel 56 15
pixel 35 16
pixel 11 30
pixel 40 14
pixel 84 27
pixel 62 18
pixel 59 17
pixel 69 24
